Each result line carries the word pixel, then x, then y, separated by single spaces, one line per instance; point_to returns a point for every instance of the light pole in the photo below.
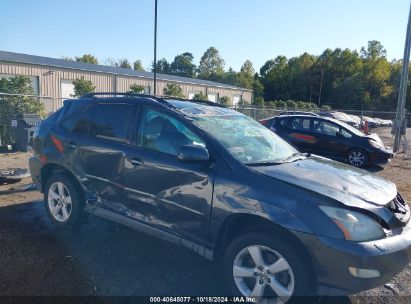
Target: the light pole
pixel 400 116
pixel 321 88
pixel 155 47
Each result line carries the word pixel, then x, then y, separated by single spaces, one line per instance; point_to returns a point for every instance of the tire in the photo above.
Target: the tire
pixel 66 209
pixel 357 158
pixel 293 278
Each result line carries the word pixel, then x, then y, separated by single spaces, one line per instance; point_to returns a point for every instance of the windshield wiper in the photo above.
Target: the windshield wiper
pixel 296 156
pixel 264 164
pixel 291 158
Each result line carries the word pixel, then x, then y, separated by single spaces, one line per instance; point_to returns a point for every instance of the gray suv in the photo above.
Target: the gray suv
pixel 208 178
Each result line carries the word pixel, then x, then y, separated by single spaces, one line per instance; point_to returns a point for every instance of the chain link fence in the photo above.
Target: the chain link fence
pixel 12 105
pixel 380 115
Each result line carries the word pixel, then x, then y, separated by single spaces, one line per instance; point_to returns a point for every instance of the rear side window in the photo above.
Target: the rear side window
pixel 71 113
pixel 280 123
pixel 283 122
pixel 106 121
pixel 301 124
pixel 83 124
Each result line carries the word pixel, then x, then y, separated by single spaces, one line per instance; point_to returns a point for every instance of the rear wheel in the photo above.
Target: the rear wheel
pixel 265 267
pixel 64 202
pixel 357 158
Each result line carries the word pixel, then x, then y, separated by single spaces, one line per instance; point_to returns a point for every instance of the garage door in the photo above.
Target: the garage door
pixel 192 94
pixel 67 89
pixel 236 99
pixel 212 97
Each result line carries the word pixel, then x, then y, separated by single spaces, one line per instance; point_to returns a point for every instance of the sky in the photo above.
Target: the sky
pixel 257 30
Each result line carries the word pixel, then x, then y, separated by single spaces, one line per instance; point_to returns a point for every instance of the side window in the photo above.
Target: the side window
pixel 300 124
pixel 163 133
pixel 325 127
pixel 83 124
pixel 110 121
pixel 281 122
pixel 69 121
pixel 345 133
pixel 106 121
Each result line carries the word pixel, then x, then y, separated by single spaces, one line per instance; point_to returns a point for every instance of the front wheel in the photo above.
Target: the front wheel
pixel 357 158
pixel 266 268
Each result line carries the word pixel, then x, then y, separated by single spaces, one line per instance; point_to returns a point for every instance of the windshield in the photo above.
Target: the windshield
pixel 351 129
pixel 247 140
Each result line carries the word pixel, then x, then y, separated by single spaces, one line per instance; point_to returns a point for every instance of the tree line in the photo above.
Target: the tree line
pixel 341 78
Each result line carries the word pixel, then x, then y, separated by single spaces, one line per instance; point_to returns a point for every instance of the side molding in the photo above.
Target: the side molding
pixel 134 224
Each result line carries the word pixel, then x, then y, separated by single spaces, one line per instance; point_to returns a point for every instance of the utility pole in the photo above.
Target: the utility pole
pixel 321 87
pixel 155 47
pixel 400 117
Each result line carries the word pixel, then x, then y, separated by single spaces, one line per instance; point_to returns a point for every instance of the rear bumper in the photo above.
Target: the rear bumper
pixel 332 258
pixel 34 166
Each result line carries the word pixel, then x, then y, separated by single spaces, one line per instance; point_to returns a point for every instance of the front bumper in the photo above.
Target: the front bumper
pixel 380 157
pixel 332 258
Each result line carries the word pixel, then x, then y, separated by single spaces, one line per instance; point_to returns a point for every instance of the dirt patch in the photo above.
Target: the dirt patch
pixel 12 192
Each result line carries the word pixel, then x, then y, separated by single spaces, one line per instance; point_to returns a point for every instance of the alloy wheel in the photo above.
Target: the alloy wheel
pixel 356 158
pixel 263 273
pixel 59 202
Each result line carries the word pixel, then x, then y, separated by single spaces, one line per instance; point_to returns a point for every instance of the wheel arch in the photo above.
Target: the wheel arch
pixel 50 169
pixel 238 224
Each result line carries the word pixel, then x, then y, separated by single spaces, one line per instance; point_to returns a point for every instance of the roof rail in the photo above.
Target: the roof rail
pixel 158 98
pixel 128 94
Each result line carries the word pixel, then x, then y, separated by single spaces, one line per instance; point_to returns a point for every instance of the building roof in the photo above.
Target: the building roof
pixel 74 65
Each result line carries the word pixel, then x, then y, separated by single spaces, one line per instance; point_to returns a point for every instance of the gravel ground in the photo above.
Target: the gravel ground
pixel 107 259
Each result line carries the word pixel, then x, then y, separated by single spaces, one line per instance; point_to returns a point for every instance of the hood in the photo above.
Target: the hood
pixel 375 137
pixel 348 185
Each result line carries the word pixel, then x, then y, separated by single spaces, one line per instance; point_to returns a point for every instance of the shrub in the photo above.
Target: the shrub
pixel 258 102
pixel 225 100
pixel 243 103
pixel 82 87
pixel 11 105
pixel 271 104
pixel 280 104
pixel 173 90
pixel 136 88
pixel 291 104
pixel 200 96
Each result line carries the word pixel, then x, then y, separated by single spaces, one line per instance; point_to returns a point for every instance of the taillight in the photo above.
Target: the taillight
pixel 57 143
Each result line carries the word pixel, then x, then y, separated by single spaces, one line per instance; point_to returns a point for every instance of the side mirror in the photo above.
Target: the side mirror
pixel 193 154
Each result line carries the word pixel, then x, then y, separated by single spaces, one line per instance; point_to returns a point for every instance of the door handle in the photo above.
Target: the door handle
pixel 71 145
pixel 135 161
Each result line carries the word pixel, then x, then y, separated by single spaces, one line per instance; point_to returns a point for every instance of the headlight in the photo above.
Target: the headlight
pixel 376 144
pixel 355 226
